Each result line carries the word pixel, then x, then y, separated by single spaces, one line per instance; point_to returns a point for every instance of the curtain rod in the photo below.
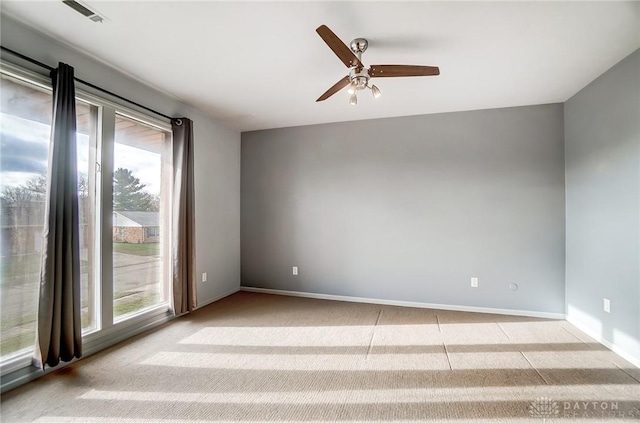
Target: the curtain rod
pixel 95 87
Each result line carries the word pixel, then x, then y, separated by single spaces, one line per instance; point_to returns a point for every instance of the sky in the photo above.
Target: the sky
pixel 24 151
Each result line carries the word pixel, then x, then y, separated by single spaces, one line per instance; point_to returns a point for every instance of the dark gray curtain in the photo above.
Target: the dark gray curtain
pixel 183 225
pixel 59 331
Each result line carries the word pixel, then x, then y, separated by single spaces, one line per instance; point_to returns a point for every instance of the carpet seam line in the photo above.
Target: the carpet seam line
pixel 503 331
pixel 534 368
pixel 446 352
pixel 626 373
pixel 373 333
pixel 574 335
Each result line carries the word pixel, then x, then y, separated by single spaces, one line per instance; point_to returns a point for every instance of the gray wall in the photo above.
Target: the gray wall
pixel 411 208
pixel 217 155
pixel 602 141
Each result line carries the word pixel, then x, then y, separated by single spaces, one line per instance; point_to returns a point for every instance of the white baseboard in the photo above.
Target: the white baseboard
pixel 217 297
pixel 526 313
pixel 589 332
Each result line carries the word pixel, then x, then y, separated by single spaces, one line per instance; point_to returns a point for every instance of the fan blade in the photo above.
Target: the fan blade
pixel 343 52
pixel 381 71
pixel 337 87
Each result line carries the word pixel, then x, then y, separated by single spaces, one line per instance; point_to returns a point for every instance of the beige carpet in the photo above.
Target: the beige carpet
pixel 255 357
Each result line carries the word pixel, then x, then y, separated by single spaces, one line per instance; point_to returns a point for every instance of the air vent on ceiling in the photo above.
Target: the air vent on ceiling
pixel 83 10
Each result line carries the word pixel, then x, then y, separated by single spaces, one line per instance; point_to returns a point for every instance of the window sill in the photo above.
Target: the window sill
pixel 18 370
pixel 16 363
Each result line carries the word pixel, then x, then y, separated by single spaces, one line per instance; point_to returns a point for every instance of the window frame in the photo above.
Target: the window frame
pixel 107 332
pixel 167 244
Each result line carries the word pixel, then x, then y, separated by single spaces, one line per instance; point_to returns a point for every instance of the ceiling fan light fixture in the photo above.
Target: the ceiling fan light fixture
pixel 352 89
pixel 353 100
pixel 375 91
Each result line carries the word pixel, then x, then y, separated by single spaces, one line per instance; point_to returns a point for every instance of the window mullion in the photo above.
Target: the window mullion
pixel 107 132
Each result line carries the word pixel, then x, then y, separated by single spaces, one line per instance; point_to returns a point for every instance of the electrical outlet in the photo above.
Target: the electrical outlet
pixel 474 282
pixel 204 276
pixel 294 269
pixel 607 305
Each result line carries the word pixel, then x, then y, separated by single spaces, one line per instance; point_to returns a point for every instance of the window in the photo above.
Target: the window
pixel 111 140
pixel 139 203
pixel 25 124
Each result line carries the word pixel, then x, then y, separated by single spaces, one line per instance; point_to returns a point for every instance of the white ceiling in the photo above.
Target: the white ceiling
pixel 262 65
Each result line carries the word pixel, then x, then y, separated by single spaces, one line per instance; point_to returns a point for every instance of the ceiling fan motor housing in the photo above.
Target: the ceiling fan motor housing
pixel 359 78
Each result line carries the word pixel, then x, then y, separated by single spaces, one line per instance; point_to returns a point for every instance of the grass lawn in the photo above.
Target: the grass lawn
pixel 26 339
pixel 122 294
pixel 22 341
pixel 19 265
pixel 22 273
pixel 134 305
pixel 27 264
pixel 137 249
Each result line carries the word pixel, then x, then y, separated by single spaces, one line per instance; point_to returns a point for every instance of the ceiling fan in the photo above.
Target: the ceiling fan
pixel 359 74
